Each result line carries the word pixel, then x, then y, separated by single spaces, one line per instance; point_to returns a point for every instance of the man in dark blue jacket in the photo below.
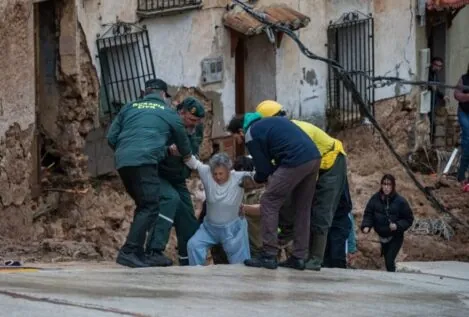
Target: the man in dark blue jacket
pixel 296 168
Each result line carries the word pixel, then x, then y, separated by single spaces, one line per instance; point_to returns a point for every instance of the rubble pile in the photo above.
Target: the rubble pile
pixel 369 159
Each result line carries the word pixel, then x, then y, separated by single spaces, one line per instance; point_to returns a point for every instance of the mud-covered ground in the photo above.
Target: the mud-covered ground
pixel 92 223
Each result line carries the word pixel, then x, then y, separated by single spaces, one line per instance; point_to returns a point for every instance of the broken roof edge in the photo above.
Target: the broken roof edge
pixel 439 5
pixel 242 22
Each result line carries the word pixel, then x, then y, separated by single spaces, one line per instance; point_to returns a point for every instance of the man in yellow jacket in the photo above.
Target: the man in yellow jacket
pixel 329 187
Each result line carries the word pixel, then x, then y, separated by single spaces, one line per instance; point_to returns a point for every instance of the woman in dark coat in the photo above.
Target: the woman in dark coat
pixel 389 214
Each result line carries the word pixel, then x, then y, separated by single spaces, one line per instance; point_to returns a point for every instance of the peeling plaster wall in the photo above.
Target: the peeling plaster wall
pixel 395 43
pixel 17 100
pixel 302 82
pixel 394 35
pixel 17 82
pixel 180 42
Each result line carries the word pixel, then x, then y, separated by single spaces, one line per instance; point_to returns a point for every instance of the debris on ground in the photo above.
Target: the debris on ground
pixel 90 223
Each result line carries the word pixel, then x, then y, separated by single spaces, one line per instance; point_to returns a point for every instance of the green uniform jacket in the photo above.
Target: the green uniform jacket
pixel 173 168
pixel 141 130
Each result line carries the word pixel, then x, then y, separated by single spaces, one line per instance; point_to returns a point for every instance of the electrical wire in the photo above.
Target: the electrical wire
pixel 348 83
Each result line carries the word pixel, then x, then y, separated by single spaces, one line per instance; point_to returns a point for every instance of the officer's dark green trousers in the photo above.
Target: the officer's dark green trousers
pixel 175 209
pixel 142 184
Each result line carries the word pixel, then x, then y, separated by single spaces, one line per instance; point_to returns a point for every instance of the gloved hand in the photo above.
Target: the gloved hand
pixel 192 163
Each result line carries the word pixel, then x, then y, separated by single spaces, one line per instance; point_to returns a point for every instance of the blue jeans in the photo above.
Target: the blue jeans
pixel 233 236
pixel 464 163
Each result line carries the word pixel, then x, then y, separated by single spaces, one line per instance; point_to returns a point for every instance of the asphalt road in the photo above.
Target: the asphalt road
pixel 224 290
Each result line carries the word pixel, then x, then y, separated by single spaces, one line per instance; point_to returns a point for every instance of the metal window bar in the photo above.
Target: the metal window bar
pixel 351 43
pixel 126 64
pixel 157 5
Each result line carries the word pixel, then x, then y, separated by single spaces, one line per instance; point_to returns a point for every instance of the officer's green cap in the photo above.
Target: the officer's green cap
pixel 193 106
pixel 158 84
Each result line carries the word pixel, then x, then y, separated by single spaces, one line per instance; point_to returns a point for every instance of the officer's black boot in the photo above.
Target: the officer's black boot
pixel 263 260
pixel 156 258
pixel 130 259
pixel 293 263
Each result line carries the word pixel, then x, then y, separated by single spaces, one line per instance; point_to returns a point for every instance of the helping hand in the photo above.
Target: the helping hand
pixel 173 150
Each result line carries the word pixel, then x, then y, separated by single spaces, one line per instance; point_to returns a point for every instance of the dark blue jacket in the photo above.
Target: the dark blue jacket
pixel 276 139
pixel 382 210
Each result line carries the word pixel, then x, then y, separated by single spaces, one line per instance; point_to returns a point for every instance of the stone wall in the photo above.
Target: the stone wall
pixel 17 99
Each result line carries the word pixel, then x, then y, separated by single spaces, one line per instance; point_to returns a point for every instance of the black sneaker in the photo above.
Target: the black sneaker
pixel 156 258
pixel 293 263
pixel 130 260
pixel 265 261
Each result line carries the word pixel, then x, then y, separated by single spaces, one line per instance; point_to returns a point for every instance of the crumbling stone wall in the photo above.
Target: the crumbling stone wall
pixel 79 87
pixel 16 102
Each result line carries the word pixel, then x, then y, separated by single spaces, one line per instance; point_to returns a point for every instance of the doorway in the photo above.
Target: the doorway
pixel 255 75
pixel 47 90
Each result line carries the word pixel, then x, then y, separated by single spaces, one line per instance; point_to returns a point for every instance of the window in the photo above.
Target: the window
pixel 350 43
pixel 126 63
pixel 155 7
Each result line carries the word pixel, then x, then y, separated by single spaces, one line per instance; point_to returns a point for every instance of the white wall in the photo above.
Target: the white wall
pixel 394 37
pixel 17 64
pixel 180 42
pixel 457 51
pixel 302 82
pixel 395 43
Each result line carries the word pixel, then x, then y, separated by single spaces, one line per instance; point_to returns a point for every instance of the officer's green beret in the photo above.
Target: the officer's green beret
pixel 193 106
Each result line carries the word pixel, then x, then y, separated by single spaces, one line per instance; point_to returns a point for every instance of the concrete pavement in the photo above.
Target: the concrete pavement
pixel 224 290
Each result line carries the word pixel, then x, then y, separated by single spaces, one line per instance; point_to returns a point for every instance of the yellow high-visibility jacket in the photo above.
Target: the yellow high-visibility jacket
pixel 328 146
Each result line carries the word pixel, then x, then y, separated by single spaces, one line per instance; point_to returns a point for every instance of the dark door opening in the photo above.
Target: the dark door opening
pixel 255 69
pixel 47 91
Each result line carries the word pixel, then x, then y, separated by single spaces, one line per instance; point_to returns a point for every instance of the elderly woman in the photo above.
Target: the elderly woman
pixel 222 223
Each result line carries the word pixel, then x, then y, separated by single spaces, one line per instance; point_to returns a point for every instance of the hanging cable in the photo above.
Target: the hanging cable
pixel 348 83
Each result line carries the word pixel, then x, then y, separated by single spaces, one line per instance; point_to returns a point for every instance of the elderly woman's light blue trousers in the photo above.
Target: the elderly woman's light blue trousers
pixel 233 237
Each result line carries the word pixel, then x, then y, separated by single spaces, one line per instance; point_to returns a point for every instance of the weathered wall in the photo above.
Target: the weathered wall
pixel 78 86
pixel 394 37
pixel 457 51
pixel 302 82
pixel 395 50
pixel 17 100
pixel 180 42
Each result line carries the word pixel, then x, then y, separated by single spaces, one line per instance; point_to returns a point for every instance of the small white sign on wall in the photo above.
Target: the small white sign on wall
pixel 212 70
pixel 425 101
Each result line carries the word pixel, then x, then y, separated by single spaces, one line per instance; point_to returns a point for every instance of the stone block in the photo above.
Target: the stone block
pixel 440 131
pixel 439 142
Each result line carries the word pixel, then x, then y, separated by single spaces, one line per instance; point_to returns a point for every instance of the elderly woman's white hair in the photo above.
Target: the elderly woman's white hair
pixel 220 160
